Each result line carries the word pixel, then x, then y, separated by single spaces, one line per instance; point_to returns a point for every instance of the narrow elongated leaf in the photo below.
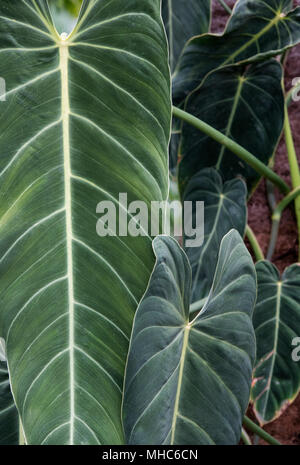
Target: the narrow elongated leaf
pixel 183 20
pixel 225 208
pixel 258 29
pixel 247 105
pixel 9 425
pixel 277 323
pixel 188 382
pixel 86 117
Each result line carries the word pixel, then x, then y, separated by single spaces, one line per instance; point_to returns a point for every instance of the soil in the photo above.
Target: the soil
pixel 287 428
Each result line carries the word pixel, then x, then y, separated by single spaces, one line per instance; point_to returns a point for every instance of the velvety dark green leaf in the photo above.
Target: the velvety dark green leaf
pixel 225 208
pixel 188 382
pixel 277 324
pixel 9 420
pixel 247 105
pixel 258 29
pixel 183 20
pixel 86 117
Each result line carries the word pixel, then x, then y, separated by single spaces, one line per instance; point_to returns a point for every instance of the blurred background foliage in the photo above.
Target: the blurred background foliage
pixel 65 13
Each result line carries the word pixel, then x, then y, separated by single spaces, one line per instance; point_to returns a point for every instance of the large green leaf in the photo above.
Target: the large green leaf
pixel 225 208
pixel 183 20
pixel 247 105
pixel 258 29
pixel 188 382
pixel 277 323
pixel 9 424
pixel 85 118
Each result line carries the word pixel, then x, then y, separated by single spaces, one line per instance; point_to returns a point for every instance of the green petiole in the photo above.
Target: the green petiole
pixel 254 244
pixel 254 428
pixel 235 148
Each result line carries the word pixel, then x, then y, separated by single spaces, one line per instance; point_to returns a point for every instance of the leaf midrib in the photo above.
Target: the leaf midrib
pixel 276 339
pixel 171 37
pixel 180 377
pixel 231 118
pixel 65 109
pixel 254 39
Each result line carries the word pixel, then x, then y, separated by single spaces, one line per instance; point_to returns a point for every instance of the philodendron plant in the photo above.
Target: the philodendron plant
pixel 130 338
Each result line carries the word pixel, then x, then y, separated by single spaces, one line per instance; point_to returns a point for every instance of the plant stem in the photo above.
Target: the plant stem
pixel 245 438
pixel 294 166
pixel 273 238
pixel 254 244
pixel 225 6
pixel 271 195
pixel 234 147
pixel 271 190
pixel 286 201
pixel 260 432
pixel 276 217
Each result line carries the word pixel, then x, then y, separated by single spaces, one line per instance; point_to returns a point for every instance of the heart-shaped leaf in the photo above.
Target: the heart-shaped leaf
pixel 9 423
pixel 257 29
pixel 188 382
pixel 277 325
pixel 86 117
pixel 225 208
pixel 247 105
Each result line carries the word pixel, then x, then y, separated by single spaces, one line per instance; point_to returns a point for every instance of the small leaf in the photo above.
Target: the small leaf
pixel 277 323
pixel 189 382
pixel 247 105
pixel 256 30
pixel 224 209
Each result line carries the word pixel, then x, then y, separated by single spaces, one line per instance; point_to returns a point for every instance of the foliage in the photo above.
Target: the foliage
pixel 89 118
pixel 93 131
pixel 276 320
pixel 247 104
